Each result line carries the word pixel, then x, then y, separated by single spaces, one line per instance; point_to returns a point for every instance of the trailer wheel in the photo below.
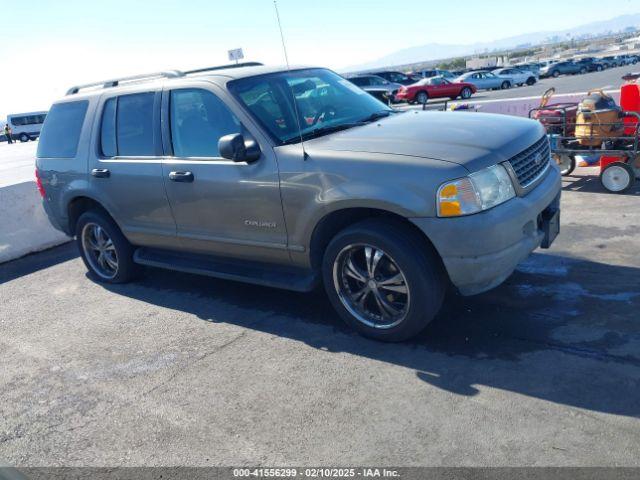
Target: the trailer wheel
pixel 618 177
pixel 566 163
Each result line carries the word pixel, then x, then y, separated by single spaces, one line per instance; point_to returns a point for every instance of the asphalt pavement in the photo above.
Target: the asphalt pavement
pixel 177 369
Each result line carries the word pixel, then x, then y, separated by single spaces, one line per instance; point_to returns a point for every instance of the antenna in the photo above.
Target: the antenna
pixel 293 96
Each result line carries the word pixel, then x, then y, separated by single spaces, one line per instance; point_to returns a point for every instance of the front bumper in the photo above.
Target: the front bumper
pixel 480 251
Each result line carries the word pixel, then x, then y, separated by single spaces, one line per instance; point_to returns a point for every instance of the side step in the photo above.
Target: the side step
pixel 267 275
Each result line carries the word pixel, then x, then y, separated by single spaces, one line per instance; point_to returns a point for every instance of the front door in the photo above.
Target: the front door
pixel 221 207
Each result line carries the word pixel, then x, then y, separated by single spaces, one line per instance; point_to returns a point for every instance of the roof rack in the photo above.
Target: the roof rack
pixel 224 67
pixel 149 76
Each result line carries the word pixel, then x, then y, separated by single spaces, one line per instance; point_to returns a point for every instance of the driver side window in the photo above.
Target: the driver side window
pixel 198 119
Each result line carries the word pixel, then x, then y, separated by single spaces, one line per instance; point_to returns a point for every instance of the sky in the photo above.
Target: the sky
pixel 50 45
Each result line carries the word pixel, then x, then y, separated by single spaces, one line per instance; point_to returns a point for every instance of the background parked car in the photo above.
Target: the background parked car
pixel 592 64
pixel 395 77
pixel 610 61
pixel 485 80
pixel 434 73
pixel 626 60
pixel 562 68
pixel 518 75
pixel 376 86
pixel 532 67
pixel 434 87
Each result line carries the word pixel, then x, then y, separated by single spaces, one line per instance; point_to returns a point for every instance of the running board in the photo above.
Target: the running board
pixel 268 275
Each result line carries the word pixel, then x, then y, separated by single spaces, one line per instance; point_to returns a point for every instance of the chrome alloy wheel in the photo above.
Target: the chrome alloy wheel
pixel 100 251
pixel 371 286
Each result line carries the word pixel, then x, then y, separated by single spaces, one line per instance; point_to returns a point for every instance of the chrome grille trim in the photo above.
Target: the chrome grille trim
pixel 524 166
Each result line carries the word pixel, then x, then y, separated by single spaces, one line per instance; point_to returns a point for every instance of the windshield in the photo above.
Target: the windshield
pixel 324 102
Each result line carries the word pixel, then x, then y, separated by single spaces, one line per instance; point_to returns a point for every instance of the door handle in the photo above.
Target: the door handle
pixel 185 177
pixel 100 173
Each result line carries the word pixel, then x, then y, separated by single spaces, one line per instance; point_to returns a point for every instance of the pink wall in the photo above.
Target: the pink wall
pixel 521 106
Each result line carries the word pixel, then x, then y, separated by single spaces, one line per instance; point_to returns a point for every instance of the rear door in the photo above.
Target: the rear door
pixel 126 167
pixel 221 207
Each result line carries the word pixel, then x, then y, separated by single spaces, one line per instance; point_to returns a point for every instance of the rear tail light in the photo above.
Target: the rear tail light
pixel 39 185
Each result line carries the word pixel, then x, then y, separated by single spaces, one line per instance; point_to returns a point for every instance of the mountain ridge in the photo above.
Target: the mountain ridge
pixel 436 51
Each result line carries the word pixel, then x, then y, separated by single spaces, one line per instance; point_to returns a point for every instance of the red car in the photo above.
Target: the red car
pixel 434 87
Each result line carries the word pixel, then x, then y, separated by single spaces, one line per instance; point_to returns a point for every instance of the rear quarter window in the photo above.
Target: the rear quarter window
pixel 61 130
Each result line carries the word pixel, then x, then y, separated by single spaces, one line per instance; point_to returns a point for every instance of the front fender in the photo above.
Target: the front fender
pixel 396 200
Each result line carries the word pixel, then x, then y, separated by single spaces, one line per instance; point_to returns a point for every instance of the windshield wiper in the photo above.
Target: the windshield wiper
pixel 377 116
pixel 318 132
pixel 325 130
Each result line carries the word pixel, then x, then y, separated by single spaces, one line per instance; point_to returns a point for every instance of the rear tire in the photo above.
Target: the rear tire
pixel 618 177
pixel 105 251
pixel 583 71
pixel 555 74
pixel 422 97
pixel 466 93
pixel 531 81
pixel 505 85
pixel 383 280
pixel 24 137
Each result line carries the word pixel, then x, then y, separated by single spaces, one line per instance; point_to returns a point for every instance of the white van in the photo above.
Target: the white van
pixel 26 126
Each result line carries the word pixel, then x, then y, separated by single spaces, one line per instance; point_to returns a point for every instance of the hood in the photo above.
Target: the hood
pixel 473 140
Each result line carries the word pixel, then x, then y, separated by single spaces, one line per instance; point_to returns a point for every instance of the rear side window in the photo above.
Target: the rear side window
pixel 61 130
pixel 127 127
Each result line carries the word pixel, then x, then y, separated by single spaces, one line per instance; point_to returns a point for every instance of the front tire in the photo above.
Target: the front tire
pixel 383 280
pixel 555 74
pixel 531 81
pixel 505 85
pixel 105 251
pixel 24 137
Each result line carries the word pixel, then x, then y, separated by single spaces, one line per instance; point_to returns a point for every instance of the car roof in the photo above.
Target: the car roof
pixel 220 75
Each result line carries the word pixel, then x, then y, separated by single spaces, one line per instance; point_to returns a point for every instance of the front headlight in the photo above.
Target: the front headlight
pixel 477 192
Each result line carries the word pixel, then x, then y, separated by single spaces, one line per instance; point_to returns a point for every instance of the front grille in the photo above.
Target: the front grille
pixel 529 164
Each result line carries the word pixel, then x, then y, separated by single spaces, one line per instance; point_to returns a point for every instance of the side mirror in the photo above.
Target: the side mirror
pixel 235 147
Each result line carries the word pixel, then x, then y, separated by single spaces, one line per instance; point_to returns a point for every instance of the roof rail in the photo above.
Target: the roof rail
pixel 224 67
pixel 148 76
pixel 116 81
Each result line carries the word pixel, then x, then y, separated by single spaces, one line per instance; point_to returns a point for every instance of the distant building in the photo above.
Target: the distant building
pixel 480 63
